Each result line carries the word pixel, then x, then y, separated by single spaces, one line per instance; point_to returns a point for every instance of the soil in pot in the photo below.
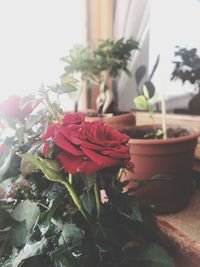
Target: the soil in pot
pixel 172 157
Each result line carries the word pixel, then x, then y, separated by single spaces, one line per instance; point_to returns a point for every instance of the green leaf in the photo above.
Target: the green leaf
pixel 47 215
pixel 68 84
pixel 89 181
pixel 139 74
pixel 71 235
pixel 150 88
pixel 50 168
pixel 4 204
pixel 159 132
pixel 69 79
pixel 128 206
pixel 88 201
pixel 155 256
pixel 20 134
pixel 28 212
pixel 5 219
pixel 18 234
pixel 5 163
pixel 30 250
pixel 141 102
pixel 36 117
pixel 145 91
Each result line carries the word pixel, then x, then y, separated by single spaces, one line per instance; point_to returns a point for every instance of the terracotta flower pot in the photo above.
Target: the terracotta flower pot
pixel 118 122
pixel 174 157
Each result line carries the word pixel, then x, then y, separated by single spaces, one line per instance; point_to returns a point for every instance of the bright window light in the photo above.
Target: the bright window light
pixel 172 23
pixel 34 35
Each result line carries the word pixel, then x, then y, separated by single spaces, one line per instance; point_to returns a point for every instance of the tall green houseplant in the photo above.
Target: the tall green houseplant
pixel 99 66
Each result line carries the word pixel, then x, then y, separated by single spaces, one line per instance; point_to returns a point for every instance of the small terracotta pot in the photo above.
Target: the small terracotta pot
pixel 173 157
pixel 118 122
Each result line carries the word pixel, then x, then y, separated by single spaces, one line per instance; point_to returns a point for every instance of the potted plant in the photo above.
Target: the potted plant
pixel 162 150
pixel 99 66
pixel 187 68
pixel 53 169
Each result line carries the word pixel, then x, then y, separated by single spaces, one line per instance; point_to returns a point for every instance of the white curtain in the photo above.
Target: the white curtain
pixel 35 34
pixel 132 19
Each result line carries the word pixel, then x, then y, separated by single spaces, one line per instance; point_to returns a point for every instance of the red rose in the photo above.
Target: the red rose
pixel 87 147
pixel 11 108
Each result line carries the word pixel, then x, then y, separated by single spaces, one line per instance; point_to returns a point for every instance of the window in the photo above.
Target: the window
pixel 173 23
pixel 34 35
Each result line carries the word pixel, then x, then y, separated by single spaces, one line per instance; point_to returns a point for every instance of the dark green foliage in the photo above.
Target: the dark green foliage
pixel 61 237
pixel 186 65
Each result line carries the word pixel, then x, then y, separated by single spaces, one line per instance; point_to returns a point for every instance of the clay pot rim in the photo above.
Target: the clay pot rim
pixel 195 133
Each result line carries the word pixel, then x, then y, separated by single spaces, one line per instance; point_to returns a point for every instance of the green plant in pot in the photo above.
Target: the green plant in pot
pixel 162 150
pixel 187 68
pixel 99 66
pixel 54 169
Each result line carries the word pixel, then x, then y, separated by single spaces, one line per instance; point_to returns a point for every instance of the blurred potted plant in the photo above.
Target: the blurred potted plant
pixel 99 67
pixel 162 150
pixel 53 168
pixel 187 68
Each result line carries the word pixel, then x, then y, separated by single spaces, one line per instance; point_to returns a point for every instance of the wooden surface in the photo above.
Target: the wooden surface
pixel 172 119
pixel 181 234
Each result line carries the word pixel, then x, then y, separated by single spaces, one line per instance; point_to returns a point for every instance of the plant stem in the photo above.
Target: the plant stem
pixel 97 198
pixel 76 200
pixel 70 178
pixel 51 110
pixel 163 107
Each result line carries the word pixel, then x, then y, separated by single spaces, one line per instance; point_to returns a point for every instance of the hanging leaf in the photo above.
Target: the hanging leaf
pixel 36 117
pixel 28 212
pixel 49 167
pixel 150 88
pixel 68 84
pixel 145 91
pixel 5 163
pixel 139 74
pixel 20 134
pixel 128 206
pixel 18 234
pixel 88 201
pixel 30 250
pixel 71 235
pixel 154 256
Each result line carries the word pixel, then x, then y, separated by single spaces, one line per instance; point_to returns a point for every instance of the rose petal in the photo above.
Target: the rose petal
pixel 102 161
pixel 73 118
pixel 50 133
pixel 119 152
pixel 61 141
pixel 73 164
pixel 69 162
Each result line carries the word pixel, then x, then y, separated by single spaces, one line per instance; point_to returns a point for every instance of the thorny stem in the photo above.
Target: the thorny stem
pixel 76 200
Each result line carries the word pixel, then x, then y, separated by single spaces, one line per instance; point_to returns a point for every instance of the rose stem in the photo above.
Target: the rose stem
pixel 76 200
pixel 97 198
